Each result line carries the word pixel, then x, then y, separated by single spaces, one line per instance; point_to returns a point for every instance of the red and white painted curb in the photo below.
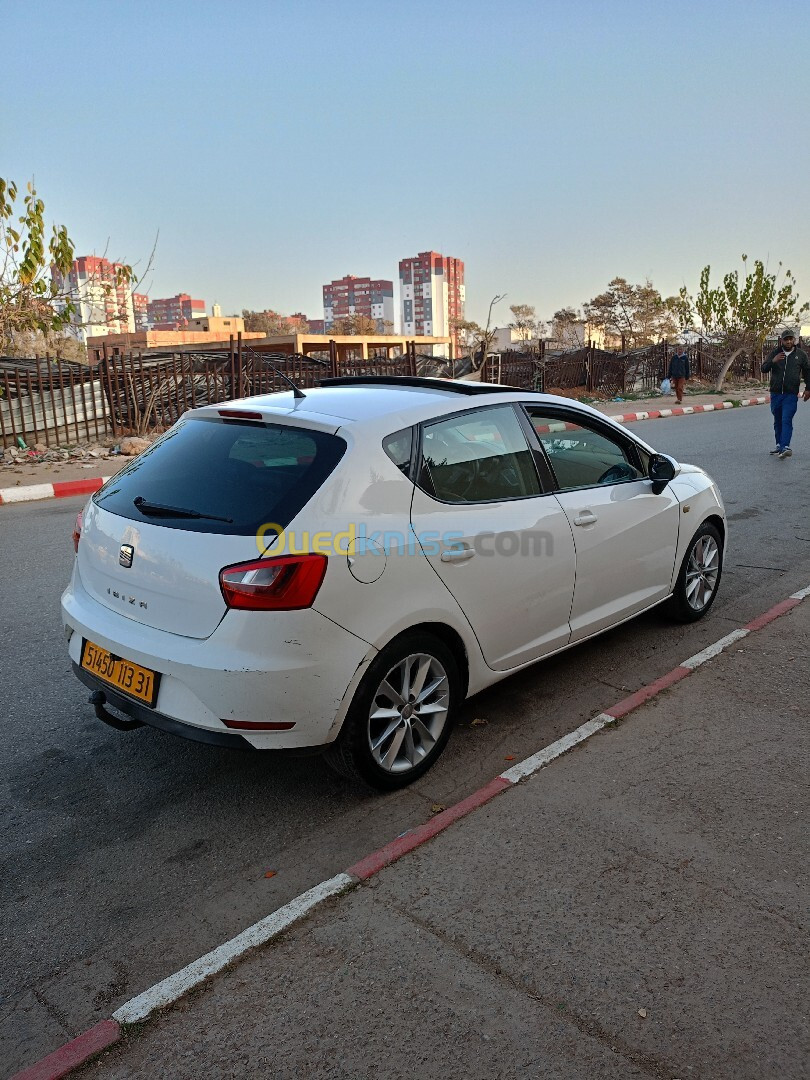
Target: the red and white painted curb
pixel 104 1034
pixel 33 492
pixel 60 490
pixel 686 410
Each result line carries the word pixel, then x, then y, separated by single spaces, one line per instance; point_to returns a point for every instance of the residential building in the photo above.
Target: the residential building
pixel 174 312
pixel 431 288
pixel 103 301
pixel 352 295
pixel 140 305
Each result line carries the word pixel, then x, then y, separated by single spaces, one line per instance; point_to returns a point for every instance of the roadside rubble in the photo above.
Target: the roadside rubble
pixel 39 454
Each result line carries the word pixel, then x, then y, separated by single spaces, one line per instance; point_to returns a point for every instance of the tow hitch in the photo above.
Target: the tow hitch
pixel 98 699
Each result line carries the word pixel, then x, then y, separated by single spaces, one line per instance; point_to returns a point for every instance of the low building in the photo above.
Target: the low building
pixel 507 338
pixel 348 348
pixel 160 339
pixel 211 324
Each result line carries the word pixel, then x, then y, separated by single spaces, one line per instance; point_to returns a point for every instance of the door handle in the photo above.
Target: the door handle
pixel 457 554
pixel 585 517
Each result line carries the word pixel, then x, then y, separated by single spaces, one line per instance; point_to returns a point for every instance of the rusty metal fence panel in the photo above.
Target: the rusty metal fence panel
pixel 54 402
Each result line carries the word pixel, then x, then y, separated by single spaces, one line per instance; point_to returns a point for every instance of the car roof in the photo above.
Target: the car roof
pixel 400 401
pixel 358 399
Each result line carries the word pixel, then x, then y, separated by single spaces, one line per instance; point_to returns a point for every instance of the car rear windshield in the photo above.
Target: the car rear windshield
pixel 223 476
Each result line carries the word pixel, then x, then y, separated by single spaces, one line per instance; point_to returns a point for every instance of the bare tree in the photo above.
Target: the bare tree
pixel 525 324
pixel 479 338
pixel 567 328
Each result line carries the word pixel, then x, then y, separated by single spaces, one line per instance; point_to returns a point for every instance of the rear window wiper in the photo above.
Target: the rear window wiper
pixel 151 509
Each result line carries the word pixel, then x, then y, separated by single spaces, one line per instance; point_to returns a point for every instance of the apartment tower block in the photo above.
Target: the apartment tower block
pixel 359 296
pixel 432 296
pixel 102 301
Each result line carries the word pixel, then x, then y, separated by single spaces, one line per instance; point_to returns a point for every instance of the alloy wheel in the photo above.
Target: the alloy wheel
pixel 702 572
pixel 408 712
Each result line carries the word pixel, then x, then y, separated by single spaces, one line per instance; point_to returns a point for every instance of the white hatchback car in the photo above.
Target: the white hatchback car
pixel 339 570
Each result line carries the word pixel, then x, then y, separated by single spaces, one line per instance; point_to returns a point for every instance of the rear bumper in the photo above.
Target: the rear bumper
pixel 290 667
pixel 154 719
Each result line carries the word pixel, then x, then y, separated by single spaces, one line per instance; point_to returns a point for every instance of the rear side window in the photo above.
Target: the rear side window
pixel 217 476
pixel 398 447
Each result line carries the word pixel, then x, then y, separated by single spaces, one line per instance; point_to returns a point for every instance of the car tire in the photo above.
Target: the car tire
pixel 699 576
pixel 400 718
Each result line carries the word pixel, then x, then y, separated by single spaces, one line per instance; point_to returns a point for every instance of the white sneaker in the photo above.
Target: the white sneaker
pixel 786 452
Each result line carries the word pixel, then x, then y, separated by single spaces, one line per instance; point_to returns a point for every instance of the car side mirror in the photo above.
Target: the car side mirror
pixel 662 469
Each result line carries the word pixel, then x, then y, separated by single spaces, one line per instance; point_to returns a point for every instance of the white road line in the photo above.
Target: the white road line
pixel 173 987
pixel 536 762
pixel 713 650
pixel 801 594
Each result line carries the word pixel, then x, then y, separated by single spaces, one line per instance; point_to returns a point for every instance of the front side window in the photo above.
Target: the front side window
pixel 581 456
pixel 480 456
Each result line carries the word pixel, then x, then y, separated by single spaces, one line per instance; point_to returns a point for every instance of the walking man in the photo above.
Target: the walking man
pixel 788 366
pixel 679 371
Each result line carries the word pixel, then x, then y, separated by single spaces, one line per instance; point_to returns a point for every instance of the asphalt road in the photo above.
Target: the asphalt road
pixel 125 856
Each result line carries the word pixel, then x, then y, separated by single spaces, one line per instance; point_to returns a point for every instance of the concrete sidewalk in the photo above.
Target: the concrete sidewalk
pixel 636 909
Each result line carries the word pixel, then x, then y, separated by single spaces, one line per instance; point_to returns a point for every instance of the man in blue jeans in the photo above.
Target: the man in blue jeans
pixel 788 366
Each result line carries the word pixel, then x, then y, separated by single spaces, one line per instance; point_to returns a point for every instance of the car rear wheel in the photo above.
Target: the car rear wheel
pixel 400 719
pixel 699 577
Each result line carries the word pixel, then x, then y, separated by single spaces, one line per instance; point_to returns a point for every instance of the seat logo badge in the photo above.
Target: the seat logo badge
pixel 125 554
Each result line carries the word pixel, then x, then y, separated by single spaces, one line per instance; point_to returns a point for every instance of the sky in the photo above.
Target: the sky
pixel 272 147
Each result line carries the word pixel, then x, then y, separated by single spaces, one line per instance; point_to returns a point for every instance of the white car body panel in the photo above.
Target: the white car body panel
pixel 170 586
pixel 625 557
pixel 517 585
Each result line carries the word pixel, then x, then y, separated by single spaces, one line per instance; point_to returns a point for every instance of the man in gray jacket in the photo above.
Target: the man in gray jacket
pixel 788 366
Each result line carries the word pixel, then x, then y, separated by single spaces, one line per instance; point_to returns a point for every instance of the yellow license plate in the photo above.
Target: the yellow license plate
pixel 129 678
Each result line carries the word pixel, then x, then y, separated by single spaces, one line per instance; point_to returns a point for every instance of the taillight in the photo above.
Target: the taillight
pixel 286 583
pixel 77 532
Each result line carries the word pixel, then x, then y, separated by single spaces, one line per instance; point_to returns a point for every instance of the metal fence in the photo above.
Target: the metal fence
pixel 610 374
pixel 58 402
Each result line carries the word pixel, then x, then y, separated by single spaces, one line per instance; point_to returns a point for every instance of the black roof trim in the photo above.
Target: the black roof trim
pixel 468 389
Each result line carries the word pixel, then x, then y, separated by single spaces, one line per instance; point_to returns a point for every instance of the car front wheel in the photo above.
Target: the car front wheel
pixel 400 719
pixel 699 577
